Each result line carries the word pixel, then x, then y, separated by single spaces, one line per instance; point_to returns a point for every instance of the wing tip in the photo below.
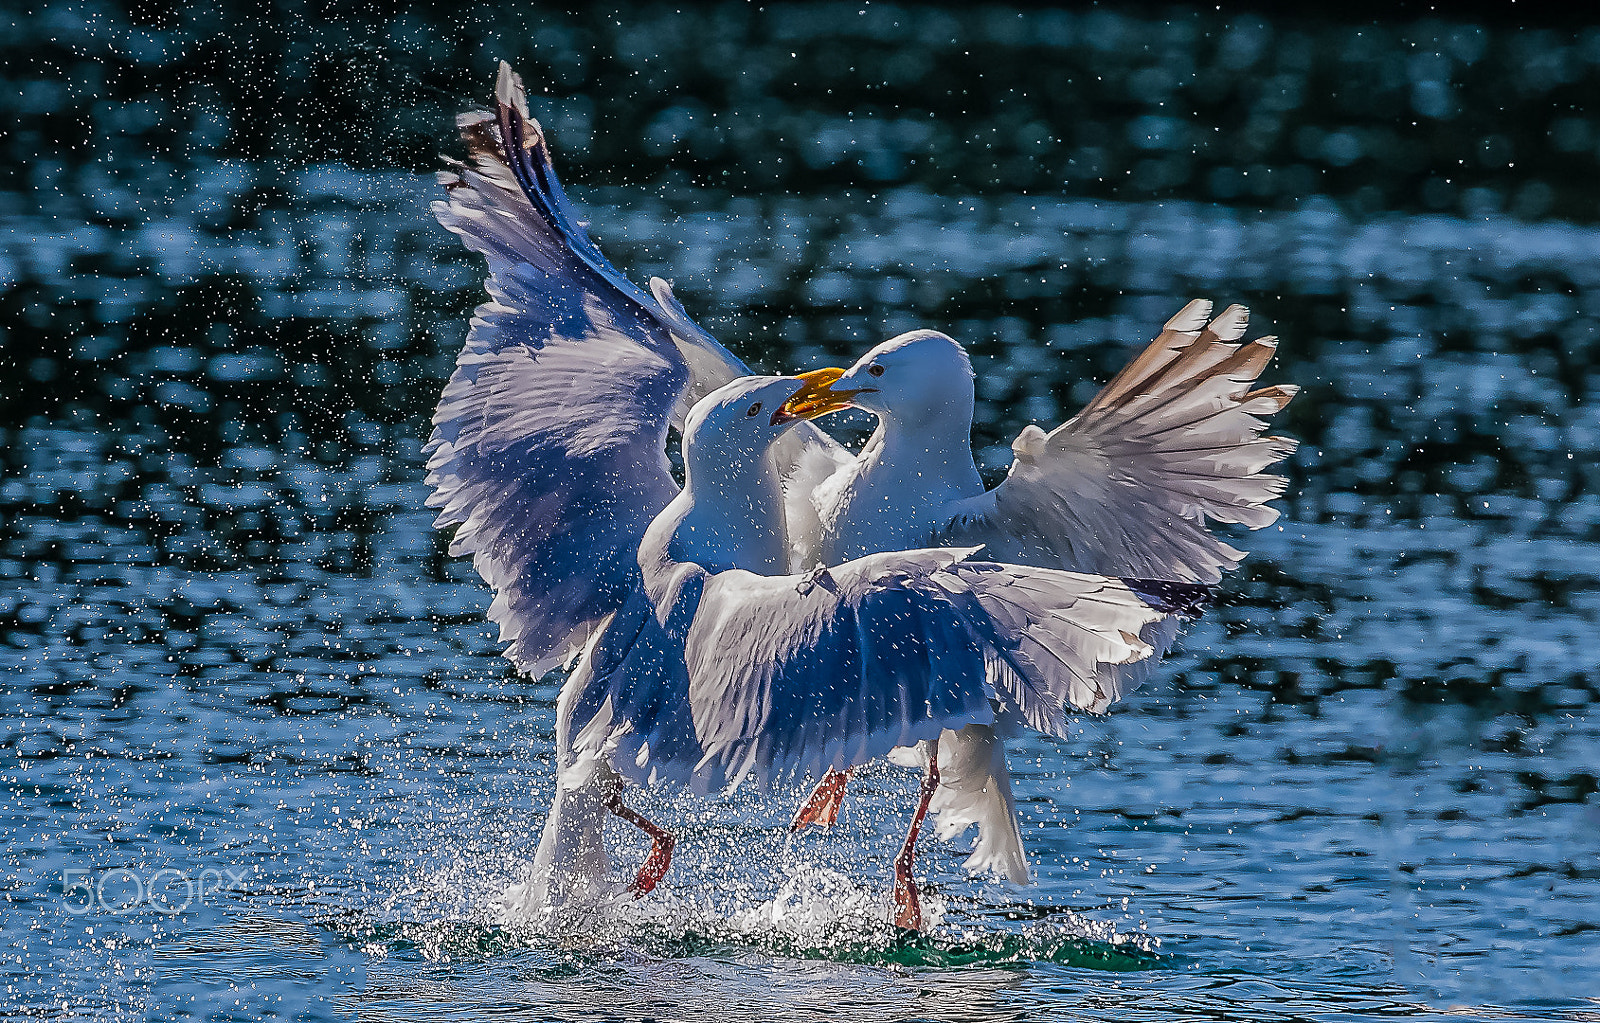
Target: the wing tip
pixel 1231 323
pixel 1279 395
pixel 1191 317
pixel 661 288
pixel 509 91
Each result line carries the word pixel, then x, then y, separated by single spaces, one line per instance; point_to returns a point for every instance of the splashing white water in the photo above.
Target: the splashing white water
pixel 815 906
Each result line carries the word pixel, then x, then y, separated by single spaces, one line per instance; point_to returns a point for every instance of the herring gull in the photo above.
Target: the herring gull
pixel 1128 487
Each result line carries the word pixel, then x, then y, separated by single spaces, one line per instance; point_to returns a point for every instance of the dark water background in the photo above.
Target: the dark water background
pixel 234 651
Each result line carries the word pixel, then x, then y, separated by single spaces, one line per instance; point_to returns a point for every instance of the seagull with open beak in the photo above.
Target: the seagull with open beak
pixel 1128 487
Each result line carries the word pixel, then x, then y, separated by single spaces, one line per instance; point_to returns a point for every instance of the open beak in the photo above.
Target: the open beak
pixel 816 398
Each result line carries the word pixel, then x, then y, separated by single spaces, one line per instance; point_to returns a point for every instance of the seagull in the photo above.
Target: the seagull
pixel 548 452
pixel 714 674
pixel 1126 488
pixel 707 652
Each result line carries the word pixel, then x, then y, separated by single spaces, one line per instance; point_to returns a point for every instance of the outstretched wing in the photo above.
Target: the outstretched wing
pixel 548 448
pixel 792 675
pixel 1127 486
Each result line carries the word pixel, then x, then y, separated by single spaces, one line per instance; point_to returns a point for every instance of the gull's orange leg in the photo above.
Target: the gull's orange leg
pixel 661 844
pixel 822 806
pixel 908 907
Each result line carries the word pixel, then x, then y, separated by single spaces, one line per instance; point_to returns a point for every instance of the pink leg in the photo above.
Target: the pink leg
pixel 908 907
pixel 661 844
pixel 822 806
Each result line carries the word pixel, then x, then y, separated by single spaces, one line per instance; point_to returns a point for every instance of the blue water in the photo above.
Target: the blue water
pixel 260 758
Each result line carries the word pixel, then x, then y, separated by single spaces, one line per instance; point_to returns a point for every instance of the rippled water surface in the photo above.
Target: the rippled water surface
pixel 260 757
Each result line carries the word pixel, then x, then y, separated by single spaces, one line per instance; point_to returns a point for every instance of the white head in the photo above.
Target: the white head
pixel 913 378
pixel 727 433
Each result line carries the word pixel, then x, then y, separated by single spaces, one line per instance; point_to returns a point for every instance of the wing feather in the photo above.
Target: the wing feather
pixel 1129 485
pixel 548 449
pixel 724 676
pixel 794 675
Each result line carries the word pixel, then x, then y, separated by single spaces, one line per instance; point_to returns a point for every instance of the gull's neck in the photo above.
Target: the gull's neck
pixel 933 451
pixel 898 495
pixel 730 515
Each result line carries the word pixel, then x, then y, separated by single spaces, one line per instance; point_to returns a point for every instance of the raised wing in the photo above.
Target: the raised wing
pixel 548 449
pixel 1128 485
pixel 792 675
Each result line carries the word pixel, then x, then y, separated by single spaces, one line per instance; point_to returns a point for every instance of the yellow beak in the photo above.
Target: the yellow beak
pixel 817 397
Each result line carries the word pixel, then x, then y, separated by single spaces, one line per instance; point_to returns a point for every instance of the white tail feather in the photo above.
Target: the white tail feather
pixel 975 788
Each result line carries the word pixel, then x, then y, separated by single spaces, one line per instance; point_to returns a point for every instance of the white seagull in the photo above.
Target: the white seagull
pixel 1127 488
pixel 703 659
pixel 713 672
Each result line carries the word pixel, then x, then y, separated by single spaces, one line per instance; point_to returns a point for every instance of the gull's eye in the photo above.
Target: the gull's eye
pixel 875 369
pixel 755 410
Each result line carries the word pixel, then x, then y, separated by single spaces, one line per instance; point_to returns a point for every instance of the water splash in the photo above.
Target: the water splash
pixel 816 914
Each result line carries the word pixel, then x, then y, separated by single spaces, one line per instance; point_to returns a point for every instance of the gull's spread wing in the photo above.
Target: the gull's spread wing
pixel 1127 486
pixel 791 675
pixel 548 448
